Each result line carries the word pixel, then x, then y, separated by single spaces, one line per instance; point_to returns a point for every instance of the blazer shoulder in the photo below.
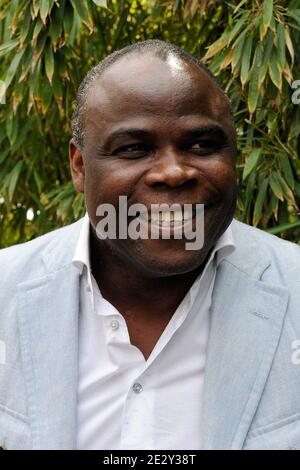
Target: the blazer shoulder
pixel 283 254
pixel 27 255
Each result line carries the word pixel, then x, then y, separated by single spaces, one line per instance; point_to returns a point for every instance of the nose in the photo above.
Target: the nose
pixel 171 170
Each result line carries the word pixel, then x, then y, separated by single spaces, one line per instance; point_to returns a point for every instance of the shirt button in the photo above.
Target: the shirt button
pixel 114 324
pixel 137 388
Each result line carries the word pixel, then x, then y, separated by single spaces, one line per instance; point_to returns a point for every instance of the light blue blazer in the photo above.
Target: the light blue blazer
pixel 252 386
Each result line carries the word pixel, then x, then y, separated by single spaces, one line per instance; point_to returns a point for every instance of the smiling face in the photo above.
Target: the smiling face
pixel 157 132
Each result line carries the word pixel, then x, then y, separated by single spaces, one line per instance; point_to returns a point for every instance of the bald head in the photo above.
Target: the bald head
pixel 175 62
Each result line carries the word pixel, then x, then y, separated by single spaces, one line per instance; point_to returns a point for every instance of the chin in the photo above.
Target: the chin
pixel 171 261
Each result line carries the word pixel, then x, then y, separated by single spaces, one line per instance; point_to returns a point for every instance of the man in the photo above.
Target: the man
pixel 140 343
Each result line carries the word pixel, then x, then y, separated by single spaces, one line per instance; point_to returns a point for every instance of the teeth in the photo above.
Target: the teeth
pixel 168 218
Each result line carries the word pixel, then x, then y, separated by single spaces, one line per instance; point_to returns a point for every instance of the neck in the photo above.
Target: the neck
pixel 131 292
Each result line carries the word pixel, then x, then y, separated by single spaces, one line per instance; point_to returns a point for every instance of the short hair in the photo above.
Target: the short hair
pixel 156 48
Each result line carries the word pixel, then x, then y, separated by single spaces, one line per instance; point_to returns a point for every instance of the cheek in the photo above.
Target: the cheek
pixel 106 181
pixel 221 176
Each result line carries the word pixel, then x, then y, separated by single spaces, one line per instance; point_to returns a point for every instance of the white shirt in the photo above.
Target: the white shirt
pixel 125 401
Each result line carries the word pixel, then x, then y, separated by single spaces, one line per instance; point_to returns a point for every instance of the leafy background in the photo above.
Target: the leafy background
pixel 46 48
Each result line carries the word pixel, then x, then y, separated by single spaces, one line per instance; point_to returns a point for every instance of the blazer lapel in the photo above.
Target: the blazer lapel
pixel 48 322
pixel 246 321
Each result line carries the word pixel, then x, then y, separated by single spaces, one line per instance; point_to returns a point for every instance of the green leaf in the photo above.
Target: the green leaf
pixel 262 191
pixel 246 57
pixel 75 29
pixel 44 10
pixel 268 46
pixel 2 132
pixel 9 124
pixel 274 203
pixel 294 13
pixel 13 68
pixel 35 79
pixel 274 70
pixel 289 43
pixel 37 28
pixel 35 7
pixel 8 46
pixel 56 23
pixel 238 26
pixel 49 63
pixel 287 192
pixel 57 87
pixel 251 162
pixel 23 131
pixel 122 24
pixel 37 180
pixel 68 21
pixel 3 156
pixel 276 186
pixel 250 27
pixel 253 92
pixel 283 227
pixel 227 59
pixel 267 12
pixel 217 46
pixel 295 126
pixel 297 189
pixel 38 50
pixel 25 26
pixel 81 9
pixel 249 190
pixel 13 179
pixel 217 61
pixel 267 19
pixel 46 95
pixel 236 57
pixel 281 46
pixel 272 122
pixel 287 170
pixel 26 62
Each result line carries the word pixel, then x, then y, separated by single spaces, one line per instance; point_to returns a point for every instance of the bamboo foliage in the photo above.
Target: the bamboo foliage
pixel 46 48
pixel 257 51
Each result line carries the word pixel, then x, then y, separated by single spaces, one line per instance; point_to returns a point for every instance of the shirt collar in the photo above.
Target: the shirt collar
pixel 81 256
pixel 224 246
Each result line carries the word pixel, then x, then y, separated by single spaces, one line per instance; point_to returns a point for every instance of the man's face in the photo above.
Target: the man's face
pixel 158 132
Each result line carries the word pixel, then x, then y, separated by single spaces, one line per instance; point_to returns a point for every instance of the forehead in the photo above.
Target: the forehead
pixel 139 86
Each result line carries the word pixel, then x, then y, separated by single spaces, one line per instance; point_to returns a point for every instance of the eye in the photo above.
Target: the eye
pixel 205 147
pixel 202 144
pixel 137 150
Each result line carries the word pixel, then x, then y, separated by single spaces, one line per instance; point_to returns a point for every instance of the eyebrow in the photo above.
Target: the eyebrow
pixel 189 134
pixel 213 130
pixel 125 133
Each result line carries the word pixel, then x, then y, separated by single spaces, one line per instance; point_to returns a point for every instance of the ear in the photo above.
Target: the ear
pixel 77 166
